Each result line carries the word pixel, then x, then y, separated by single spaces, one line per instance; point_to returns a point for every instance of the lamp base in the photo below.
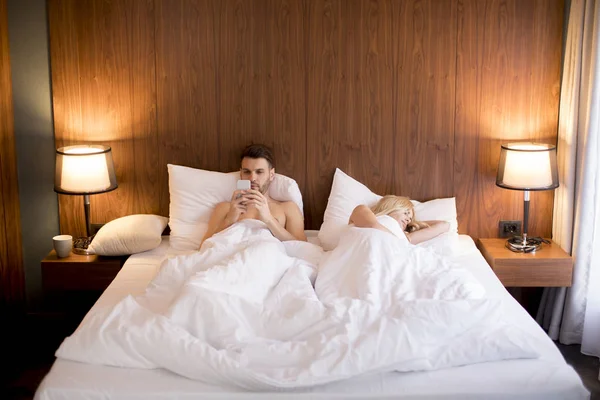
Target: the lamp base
pixel 80 245
pixel 529 245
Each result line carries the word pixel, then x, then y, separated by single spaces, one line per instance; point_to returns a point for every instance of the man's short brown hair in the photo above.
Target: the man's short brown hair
pixel 259 151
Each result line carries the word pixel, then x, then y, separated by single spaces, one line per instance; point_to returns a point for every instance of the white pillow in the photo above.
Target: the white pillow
pixel 129 235
pixel 195 192
pixel 347 193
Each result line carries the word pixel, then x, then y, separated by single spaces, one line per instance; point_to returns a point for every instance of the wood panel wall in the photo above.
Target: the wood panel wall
pixel 410 97
pixel 11 257
pixel 507 89
pixel 350 107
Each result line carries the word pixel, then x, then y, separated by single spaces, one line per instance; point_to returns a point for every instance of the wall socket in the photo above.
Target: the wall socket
pixel 509 228
pixel 95 228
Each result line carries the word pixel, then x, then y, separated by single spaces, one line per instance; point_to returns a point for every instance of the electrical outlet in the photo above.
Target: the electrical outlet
pixel 95 228
pixel 509 228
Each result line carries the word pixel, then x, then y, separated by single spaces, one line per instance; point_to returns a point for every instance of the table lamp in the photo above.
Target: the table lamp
pixel 527 166
pixel 84 170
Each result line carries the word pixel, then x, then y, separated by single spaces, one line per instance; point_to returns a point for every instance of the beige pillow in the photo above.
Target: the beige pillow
pixel 129 235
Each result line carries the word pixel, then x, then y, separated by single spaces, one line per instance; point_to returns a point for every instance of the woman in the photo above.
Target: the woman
pixel 402 211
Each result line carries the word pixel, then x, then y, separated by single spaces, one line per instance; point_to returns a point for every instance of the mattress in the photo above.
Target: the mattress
pixel 548 377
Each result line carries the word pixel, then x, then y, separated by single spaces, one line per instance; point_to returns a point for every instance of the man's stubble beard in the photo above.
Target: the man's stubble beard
pixel 264 189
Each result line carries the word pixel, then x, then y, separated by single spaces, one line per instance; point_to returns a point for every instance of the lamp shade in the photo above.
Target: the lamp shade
pixel 527 166
pixel 84 169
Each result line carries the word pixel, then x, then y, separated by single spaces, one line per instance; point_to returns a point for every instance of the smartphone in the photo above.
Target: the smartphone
pixel 243 184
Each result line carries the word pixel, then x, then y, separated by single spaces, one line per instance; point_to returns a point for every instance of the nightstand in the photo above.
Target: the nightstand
pixel 547 267
pixel 79 272
pixel 71 285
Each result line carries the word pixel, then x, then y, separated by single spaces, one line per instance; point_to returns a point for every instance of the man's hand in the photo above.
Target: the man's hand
pixel 237 208
pixel 254 198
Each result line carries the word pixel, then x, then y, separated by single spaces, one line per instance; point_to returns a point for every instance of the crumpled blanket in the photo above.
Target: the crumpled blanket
pixel 256 313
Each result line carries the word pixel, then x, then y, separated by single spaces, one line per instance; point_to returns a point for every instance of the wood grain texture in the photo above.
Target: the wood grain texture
pixel 423 94
pixel 409 97
pixel 186 87
pixel 543 104
pixel 79 272
pixel 111 76
pixel 349 119
pixel 117 80
pixel 506 90
pixel 66 99
pixel 11 256
pixel 262 82
pixel 548 267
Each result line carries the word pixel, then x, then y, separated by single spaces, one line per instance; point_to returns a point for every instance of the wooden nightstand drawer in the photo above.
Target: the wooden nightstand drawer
pixel 72 285
pixel 549 266
pixel 79 272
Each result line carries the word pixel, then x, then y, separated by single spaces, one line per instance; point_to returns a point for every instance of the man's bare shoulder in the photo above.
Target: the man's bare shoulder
pixel 290 207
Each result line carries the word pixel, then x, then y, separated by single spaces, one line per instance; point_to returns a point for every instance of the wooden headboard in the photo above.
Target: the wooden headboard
pixel 409 97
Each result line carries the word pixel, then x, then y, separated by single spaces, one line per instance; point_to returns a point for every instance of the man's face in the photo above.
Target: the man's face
pixel 257 171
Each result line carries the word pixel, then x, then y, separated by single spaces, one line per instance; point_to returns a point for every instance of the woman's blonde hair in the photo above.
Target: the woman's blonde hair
pixel 390 203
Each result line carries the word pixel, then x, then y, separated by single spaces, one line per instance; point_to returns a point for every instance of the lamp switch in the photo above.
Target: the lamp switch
pixel 509 228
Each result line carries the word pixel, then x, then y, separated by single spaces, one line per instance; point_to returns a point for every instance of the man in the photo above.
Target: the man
pixel 283 219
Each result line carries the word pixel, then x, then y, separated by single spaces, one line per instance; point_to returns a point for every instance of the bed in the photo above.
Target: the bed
pixel 547 377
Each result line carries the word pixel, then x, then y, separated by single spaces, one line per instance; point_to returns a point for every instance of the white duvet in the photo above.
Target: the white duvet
pixel 252 312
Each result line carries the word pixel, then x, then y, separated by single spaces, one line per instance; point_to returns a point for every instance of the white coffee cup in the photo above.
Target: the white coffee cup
pixel 63 245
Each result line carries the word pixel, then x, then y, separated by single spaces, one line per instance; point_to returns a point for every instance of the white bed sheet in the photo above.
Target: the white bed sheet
pixel 548 377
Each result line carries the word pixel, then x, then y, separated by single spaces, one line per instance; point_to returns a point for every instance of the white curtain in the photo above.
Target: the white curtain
pixel 573 315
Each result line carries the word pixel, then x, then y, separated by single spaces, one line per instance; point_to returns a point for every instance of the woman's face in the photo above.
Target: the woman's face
pixel 404 217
